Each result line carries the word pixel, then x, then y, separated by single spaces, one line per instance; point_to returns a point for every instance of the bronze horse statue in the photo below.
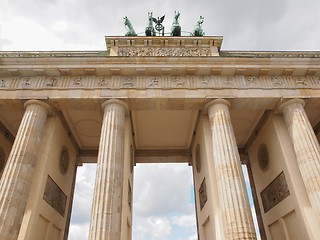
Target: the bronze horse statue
pixel 176 28
pixel 197 31
pixel 128 25
pixel 150 29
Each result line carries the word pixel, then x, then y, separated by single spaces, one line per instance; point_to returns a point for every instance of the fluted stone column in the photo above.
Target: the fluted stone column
pixel 306 147
pixel 105 223
pixel 18 173
pixel 230 181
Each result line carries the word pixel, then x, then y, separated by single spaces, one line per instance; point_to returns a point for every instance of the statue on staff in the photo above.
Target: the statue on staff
pixel 159 27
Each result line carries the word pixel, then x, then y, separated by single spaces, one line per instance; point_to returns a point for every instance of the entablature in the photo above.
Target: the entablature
pixel 137 66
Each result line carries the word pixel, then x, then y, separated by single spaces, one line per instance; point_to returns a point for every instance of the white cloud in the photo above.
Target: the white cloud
pixel 245 174
pixel 155 228
pixel 185 221
pixel 60 26
pixel 255 222
pixel 83 195
pixel 163 201
pixel 79 231
pixel 194 237
pixel 162 188
pixel 161 227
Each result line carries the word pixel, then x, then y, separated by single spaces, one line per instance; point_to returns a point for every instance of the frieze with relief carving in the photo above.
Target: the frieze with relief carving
pixel 164 52
pixel 160 82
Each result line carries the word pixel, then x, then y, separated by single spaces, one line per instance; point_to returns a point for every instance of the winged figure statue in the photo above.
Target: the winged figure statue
pixel 159 20
pixel 159 27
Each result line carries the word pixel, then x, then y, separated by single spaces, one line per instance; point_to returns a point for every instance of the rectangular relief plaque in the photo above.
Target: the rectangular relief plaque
pixel 203 194
pixel 275 192
pixel 55 197
pixel 129 195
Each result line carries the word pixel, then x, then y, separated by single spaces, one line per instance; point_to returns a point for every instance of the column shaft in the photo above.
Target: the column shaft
pixel 231 186
pixel 306 147
pixel 106 212
pixel 18 173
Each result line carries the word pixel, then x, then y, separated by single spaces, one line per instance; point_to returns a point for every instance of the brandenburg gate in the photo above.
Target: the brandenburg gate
pixel 161 99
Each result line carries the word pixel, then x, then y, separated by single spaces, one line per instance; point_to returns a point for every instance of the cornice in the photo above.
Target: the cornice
pixel 102 66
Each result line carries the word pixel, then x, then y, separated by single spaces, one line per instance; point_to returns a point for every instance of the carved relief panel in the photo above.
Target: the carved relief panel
pixel 164 52
pixel 275 192
pixel 55 197
pixel 129 195
pixel 203 194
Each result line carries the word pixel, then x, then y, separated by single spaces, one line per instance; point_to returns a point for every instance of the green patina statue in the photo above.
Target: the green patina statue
pixel 128 25
pixel 176 28
pixel 150 29
pixel 197 30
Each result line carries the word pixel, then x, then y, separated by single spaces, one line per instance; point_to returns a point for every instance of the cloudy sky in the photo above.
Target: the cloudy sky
pixel 82 24
pixel 163 202
pixel 44 25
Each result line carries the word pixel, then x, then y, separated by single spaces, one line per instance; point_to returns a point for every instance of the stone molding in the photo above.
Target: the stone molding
pixel 160 82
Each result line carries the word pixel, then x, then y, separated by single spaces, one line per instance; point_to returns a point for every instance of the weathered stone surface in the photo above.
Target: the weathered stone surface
pixel 64 160
pixel 17 177
pixel 231 186
pixel 263 157
pixel 198 158
pixel 106 212
pixel 132 161
pixel 306 147
pixel 55 197
pixel 275 192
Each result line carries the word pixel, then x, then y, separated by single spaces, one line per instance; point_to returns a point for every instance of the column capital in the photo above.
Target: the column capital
pixel 38 102
pixel 217 101
pixel 116 101
pixel 291 102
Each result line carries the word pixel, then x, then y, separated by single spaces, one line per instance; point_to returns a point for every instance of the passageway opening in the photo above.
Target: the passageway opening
pixel 163 205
